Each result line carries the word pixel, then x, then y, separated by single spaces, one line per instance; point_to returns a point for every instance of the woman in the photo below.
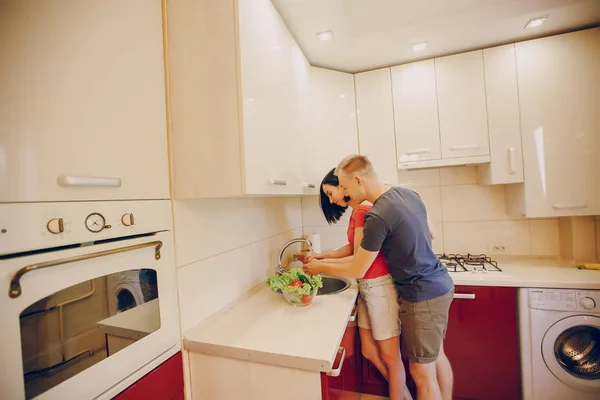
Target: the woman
pixel 378 309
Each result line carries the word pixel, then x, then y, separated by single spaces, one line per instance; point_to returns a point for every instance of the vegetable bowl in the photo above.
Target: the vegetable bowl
pixel 298 288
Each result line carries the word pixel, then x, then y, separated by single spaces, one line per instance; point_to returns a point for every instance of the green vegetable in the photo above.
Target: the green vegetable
pixel 282 282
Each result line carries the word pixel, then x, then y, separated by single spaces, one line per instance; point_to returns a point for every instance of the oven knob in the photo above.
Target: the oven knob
pixel 127 219
pixel 588 303
pixel 55 226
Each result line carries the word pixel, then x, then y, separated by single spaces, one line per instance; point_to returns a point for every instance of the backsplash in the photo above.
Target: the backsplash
pixel 598 238
pixel 467 217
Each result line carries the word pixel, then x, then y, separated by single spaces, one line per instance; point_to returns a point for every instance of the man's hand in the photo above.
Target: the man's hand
pixel 312 267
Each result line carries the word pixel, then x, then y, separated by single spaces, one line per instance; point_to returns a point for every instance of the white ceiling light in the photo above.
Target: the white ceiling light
pixel 325 36
pixel 419 46
pixel 535 22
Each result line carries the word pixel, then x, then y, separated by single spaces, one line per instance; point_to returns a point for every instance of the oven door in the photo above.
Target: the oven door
pixel 81 323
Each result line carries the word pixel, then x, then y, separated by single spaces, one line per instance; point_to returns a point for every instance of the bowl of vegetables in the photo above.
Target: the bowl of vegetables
pixel 297 287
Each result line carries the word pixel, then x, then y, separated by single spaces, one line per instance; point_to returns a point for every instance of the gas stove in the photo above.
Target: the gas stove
pixel 475 263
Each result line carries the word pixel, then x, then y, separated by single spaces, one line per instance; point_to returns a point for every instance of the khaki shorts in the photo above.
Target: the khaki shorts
pixel 424 327
pixel 378 307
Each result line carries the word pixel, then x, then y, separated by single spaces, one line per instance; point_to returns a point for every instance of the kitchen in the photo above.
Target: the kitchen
pixel 183 142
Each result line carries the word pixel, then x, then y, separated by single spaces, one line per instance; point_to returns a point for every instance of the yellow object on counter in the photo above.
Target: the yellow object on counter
pixel 588 266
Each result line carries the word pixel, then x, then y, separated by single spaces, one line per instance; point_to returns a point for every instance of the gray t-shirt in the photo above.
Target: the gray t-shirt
pixel 397 223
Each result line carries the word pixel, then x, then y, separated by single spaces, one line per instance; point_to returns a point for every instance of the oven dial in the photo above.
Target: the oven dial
pixel 95 222
pixel 56 226
pixel 127 219
pixel 587 303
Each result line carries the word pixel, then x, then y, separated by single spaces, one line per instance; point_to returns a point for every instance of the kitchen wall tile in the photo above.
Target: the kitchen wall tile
pixel 419 178
pixel 458 176
pixel 479 237
pixel 438 243
pixel 431 197
pixel 598 240
pixel 473 203
pixel 544 237
pixel 332 237
pixel 204 228
pixel 313 216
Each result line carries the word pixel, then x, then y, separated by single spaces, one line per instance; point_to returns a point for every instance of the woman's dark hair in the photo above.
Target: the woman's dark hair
pixel 332 212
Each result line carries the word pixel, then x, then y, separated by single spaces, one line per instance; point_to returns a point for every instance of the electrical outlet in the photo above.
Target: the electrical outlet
pixel 496 249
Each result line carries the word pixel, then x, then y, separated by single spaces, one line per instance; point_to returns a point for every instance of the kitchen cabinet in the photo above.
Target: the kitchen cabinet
pixel 482 343
pixel 331 134
pixel 559 97
pixel 237 117
pixel 416 112
pixel 83 101
pixel 462 107
pixel 163 382
pixel 375 115
pixel 504 125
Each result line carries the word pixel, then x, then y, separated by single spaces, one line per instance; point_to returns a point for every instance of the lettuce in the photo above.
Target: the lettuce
pixel 282 282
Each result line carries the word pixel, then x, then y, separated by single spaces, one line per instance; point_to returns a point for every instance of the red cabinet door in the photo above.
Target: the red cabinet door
pixel 482 343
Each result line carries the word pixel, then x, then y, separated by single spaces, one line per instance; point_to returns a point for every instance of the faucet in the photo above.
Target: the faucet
pixel 280 269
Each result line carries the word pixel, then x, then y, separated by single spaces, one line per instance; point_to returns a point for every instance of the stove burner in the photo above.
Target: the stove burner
pixel 469 262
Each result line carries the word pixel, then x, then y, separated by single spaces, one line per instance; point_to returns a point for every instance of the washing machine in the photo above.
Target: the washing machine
pixel 560 344
pixel 124 291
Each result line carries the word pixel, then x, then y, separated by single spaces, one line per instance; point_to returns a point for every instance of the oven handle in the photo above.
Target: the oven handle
pixel 15 291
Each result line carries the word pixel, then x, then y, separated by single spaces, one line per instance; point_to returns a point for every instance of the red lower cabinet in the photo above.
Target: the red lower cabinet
pixel 482 343
pixel 164 382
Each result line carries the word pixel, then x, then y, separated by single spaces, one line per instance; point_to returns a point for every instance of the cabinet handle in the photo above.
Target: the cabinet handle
pixel 569 206
pixel 464 296
pixel 354 314
pixel 471 146
pixel 309 186
pixel 279 182
pixel 512 160
pixel 341 354
pixel 417 151
pixel 386 183
pixel 68 180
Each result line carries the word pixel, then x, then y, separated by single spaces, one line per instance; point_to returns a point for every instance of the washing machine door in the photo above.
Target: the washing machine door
pixel 571 351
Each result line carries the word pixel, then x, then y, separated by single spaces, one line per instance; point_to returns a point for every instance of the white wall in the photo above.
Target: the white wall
pixel 467 217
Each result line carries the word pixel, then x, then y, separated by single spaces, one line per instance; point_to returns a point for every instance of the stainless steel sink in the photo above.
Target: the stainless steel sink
pixel 333 285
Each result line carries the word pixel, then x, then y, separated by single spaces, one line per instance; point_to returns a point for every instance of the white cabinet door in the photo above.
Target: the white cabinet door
pixel 333 134
pixel 416 112
pixel 376 138
pixel 83 95
pixel 503 117
pixel 461 102
pixel 559 94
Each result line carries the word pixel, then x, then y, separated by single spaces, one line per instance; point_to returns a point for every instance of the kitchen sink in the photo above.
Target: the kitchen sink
pixel 332 285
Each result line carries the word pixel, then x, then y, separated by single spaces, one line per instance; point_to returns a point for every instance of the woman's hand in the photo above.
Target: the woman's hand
pixel 314 257
pixel 312 267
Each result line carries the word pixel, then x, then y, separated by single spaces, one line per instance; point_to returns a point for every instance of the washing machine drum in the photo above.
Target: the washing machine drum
pixel 571 350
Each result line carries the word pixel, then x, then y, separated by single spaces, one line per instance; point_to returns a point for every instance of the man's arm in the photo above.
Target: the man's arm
pixel 354 267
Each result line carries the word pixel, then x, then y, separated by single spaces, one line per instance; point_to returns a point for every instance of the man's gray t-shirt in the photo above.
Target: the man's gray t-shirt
pixel 397 223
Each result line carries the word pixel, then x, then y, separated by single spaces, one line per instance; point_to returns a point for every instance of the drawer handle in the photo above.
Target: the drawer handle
pixel 464 296
pixel 354 314
pixel 278 182
pixel 471 146
pixel 68 180
pixel 417 151
pixel 309 186
pixel 512 160
pixel 569 206
pixel 341 354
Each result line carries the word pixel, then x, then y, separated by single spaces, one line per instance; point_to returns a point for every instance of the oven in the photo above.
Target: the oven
pixel 70 329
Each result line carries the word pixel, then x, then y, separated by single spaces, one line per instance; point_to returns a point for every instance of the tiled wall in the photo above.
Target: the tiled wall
pixel 226 247
pixel 467 217
pixel 598 238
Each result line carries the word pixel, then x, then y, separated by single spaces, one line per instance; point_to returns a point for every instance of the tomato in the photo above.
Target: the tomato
pixel 297 283
pixel 306 298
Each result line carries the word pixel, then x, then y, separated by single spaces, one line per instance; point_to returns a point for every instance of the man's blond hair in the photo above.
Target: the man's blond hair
pixel 357 163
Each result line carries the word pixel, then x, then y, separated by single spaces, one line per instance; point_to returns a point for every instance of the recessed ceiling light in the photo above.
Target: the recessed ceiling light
pixel 325 36
pixel 535 22
pixel 419 46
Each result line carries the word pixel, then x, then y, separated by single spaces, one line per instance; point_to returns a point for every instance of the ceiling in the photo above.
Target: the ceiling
pixel 369 34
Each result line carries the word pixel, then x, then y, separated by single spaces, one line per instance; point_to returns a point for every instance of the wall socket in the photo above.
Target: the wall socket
pixel 496 249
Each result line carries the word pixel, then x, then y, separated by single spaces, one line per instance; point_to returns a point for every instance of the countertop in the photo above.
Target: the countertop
pixel 134 323
pixel 531 272
pixel 262 327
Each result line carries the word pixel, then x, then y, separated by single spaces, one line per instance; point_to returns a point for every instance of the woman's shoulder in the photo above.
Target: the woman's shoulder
pixel 365 206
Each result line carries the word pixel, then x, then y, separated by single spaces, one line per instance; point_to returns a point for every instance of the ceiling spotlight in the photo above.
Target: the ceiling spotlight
pixel 325 36
pixel 419 46
pixel 535 22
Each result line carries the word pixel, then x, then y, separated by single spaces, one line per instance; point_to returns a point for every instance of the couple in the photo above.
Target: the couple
pixel 402 283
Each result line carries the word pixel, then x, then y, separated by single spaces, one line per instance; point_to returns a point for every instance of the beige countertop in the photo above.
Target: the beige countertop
pixel 530 272
pixel 262 327
pixel 134 323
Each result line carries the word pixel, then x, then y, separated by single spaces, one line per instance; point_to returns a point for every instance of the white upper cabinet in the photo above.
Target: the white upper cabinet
pixel 503 118
pixel 559 95
pixel 83 114
pixel 332 134
pixel 416 112
pixel 375 113
pixel 462 106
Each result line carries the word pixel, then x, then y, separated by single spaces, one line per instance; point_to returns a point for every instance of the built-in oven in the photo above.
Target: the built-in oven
pixel 88 297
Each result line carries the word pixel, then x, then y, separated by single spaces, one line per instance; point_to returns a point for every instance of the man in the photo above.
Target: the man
pixel 397 223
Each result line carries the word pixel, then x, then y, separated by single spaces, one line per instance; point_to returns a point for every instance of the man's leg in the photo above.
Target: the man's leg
pixel 424 376
pixel 444 374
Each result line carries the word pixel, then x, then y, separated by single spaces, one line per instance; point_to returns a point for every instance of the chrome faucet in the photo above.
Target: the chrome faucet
pixel 280 269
